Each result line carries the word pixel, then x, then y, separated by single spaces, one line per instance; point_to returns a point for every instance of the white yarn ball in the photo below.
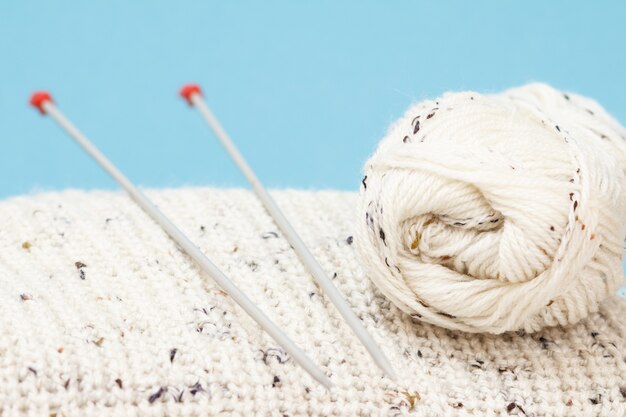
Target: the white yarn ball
pixel 491 213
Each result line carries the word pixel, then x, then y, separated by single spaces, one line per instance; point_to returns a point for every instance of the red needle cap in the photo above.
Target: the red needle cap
pixel 189 90
pixel 38 98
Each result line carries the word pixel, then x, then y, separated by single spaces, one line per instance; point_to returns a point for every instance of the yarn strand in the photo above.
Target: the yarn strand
pixel 492 213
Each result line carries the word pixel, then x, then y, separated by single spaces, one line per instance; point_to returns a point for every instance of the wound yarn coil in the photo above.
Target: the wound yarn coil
pixel 493 213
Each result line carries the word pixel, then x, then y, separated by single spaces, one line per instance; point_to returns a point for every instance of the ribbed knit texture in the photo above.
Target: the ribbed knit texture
pixel 101 314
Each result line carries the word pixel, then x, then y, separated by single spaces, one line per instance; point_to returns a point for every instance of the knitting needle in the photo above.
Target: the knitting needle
pixel 43 102
pixel 193 94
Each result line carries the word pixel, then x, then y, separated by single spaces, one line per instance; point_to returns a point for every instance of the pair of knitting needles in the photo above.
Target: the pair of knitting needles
pixel 192 93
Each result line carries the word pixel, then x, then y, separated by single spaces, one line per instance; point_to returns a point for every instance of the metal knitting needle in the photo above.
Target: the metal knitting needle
pixel 43 102
pixel 193 95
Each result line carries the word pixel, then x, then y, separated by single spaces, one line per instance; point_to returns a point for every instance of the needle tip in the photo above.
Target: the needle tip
pixel 326 383
pixel 38 99
pixel 385 365
pixel 319 376
pixel 391 374
pixel 188 90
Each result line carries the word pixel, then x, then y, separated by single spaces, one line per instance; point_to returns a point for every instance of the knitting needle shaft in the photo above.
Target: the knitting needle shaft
pixel 192 250
pixel 193 95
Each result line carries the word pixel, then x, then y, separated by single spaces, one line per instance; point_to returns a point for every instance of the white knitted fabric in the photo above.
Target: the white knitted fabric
pixel 101 314
pixel 491 213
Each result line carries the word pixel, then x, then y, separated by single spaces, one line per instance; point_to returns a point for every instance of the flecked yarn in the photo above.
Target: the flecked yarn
pixel 102 315
pixel 490 213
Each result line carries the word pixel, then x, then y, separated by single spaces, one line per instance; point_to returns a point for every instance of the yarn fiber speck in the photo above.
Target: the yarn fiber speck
pixel 492 213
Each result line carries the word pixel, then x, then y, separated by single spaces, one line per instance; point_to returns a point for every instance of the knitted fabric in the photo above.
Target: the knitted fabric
pixel 101 314
pixel 501 212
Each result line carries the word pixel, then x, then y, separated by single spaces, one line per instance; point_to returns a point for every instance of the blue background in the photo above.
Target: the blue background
pixel 306 90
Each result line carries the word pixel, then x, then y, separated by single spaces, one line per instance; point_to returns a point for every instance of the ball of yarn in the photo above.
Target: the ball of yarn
pixel 493 213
